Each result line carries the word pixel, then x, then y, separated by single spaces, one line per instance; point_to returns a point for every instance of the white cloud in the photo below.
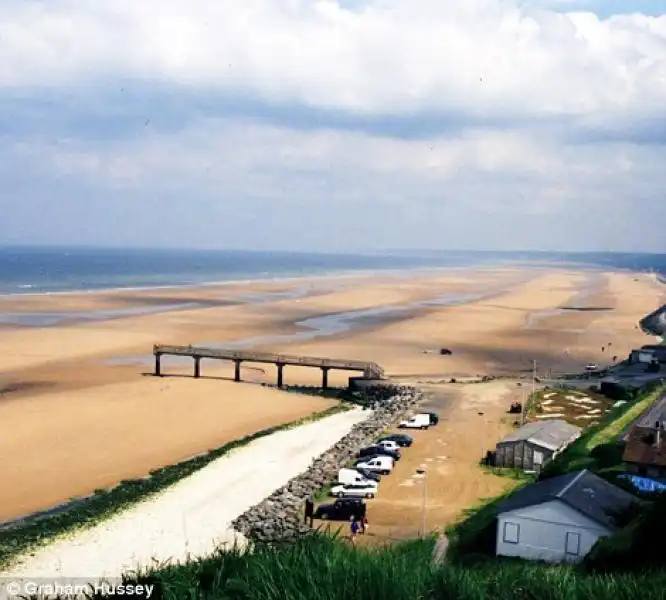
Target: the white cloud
pixel 514 84
pixel 386 57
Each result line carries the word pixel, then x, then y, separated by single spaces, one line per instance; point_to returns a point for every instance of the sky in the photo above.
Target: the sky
pixel 345 125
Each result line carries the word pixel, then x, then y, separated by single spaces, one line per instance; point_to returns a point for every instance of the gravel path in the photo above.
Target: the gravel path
pixel 193 516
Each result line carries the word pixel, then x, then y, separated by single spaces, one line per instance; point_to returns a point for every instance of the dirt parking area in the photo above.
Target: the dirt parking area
pixel 473 417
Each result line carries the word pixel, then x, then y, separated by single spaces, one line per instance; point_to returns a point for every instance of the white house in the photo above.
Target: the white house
pixel 559 519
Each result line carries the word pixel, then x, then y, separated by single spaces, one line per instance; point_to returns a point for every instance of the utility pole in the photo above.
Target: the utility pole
pixel 424 472
pixel 534 372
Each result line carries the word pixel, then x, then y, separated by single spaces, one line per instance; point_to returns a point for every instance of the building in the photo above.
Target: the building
pixel 645 451
pixel 641 356
pixel 559 519
pixel 648 354
pixel 531 446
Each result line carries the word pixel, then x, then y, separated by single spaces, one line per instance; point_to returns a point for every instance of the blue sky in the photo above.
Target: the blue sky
pixel 292 124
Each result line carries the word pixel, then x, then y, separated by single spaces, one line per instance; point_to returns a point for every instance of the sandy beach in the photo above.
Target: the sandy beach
pixel 80 410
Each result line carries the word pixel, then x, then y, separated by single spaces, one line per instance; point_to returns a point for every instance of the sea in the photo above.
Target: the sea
pixel 48 270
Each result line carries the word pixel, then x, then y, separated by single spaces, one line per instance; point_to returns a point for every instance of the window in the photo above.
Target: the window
pixel 538 457
pixel 511 532
pixel 572 543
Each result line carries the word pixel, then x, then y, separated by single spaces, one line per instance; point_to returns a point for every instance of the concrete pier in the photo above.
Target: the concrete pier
pixel 370 370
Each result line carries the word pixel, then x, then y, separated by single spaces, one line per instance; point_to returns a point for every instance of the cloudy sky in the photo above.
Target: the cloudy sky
pixel 334 125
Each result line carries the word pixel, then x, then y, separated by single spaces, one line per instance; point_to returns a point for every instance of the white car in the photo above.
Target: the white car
pixel 420 421
pixel 389 445
pixel 378 464
pixel 365 489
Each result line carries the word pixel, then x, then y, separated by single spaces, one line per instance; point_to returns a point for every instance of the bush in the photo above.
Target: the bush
pixel 607 455
pixel 635 547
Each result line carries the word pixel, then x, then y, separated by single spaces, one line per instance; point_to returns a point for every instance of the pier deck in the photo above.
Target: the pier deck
pixel 370 370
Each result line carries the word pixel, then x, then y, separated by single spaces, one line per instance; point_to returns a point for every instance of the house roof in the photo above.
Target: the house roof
pixel 641 447
pixel 583 491
pixel 551 433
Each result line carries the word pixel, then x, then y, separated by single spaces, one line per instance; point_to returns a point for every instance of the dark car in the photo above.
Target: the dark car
pixel 369 474
pixel 401 439
pixel 341 510
pixel 378 451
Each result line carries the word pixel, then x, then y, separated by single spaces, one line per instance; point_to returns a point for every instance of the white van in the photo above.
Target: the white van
pixel 351 476
pixel 420 421
pixel 379 464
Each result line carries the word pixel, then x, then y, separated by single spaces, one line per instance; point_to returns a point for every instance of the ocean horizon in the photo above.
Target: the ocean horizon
pixel 45 270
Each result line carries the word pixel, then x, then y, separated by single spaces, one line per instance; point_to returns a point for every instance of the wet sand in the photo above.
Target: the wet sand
pixel 81 413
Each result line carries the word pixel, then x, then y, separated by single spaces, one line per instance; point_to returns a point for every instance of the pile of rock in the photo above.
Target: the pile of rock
pixel 279 517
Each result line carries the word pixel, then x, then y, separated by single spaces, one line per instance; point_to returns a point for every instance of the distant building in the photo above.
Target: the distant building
pixel 559 519
pixel 531 446
pixel 641 356
pixel 649 353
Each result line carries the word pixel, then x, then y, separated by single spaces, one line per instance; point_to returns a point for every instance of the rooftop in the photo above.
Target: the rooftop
pixel 552 434
pixel 584 491
pixel 642 449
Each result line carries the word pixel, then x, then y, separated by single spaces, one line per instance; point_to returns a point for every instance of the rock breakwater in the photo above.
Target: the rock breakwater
pixel 279 518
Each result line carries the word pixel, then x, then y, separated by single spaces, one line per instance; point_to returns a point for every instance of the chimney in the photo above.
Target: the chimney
pixel 658 426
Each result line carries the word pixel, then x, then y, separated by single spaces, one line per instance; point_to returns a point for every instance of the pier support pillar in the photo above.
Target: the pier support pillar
pixel 158 365
pixel 237 367
pixel 324 377
pixel 280 378
pixel 197 366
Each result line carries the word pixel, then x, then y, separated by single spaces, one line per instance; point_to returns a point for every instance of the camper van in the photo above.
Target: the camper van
pixel 420 421
pixel 351 476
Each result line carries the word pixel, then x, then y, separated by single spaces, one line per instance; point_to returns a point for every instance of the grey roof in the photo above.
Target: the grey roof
pixel 552 434
pixel 584 491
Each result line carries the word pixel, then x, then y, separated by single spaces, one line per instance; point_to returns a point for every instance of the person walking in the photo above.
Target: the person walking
pixel 309 512
pixel 364 524
pixel 353 530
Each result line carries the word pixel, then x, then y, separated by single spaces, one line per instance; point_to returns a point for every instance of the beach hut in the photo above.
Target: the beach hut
pixel 533 445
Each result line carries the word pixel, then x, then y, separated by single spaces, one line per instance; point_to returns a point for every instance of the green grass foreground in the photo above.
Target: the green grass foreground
pixel 38 530
pixel 321 568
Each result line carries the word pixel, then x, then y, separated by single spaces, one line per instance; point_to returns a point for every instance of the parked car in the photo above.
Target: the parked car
pixel 353 476
pixel 378 451
pixel 341 510
pixel 591 367
pixel 401 439
pixel 420 421
pixel 365 489
pixel 380 464
pixel 389 445
pixel 367 474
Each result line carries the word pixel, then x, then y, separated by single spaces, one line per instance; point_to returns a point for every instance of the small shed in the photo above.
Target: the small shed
pixel 531 446
pixel 559 519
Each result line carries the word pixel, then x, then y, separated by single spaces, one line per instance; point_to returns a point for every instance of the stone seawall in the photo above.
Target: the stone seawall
pixel 279 517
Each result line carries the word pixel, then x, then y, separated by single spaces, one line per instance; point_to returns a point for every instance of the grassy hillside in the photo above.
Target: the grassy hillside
pixel 320 568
